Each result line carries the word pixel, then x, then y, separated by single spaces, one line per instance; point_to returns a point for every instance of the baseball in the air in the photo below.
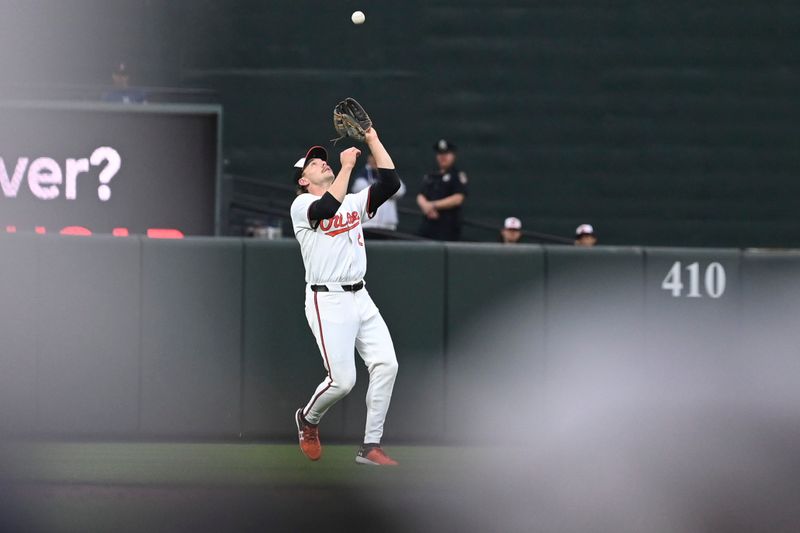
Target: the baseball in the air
pixel 358 17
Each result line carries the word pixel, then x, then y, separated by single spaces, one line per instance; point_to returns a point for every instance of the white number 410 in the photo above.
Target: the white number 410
pixel 714 280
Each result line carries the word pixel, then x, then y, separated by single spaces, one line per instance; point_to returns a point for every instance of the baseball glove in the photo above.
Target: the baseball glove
pixel 350 120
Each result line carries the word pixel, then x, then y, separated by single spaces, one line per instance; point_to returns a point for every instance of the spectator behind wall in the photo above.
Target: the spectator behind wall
pixel 585 236
pixel 122 92
pixel 511 233
pixel 441 196
pixel 386 217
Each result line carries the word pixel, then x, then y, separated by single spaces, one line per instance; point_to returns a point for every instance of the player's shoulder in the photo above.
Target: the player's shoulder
pixel 304 199
pixel 301 203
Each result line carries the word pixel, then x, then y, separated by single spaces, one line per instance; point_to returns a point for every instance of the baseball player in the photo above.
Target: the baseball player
pixel 340 312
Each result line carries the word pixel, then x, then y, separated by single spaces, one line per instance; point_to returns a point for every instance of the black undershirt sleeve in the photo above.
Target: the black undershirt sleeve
pixel 322 209
pixel 387 185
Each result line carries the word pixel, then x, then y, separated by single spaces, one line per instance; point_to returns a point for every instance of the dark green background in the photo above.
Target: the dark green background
pixel 668 123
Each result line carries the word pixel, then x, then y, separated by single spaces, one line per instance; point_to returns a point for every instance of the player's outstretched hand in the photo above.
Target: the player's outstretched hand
pixel 348 157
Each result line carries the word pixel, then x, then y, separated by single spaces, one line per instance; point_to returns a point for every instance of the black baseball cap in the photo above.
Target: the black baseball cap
pixel 443 146
pixel 315 152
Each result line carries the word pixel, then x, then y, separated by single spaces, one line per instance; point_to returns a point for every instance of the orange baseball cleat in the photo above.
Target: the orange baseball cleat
pixel 373 454
pixel 308 434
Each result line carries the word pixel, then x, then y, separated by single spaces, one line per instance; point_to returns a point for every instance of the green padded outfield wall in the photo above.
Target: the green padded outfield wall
pixel 770 308
pixel 191 334
pixel 662 123
pixel 495 330
pixel 594 298
pixel 679 323
pixel 18 329
pixel 132 337
pixel 88 336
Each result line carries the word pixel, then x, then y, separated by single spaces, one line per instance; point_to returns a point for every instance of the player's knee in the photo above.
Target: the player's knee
pixel 346 385
pixel 391 367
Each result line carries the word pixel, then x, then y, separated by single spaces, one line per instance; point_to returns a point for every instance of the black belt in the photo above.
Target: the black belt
pixel 347 288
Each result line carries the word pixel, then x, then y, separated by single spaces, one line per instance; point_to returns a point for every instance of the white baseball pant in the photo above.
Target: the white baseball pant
pixel 342 321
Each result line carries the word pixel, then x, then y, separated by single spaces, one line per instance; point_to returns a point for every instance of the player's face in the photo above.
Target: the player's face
pixel 446 159
pixel 318 173
pixel 586 240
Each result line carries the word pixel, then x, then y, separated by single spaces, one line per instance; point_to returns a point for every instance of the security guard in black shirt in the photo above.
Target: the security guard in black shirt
pixel 442 195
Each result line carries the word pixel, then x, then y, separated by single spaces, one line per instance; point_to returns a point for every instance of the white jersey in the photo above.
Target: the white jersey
pixel 334 251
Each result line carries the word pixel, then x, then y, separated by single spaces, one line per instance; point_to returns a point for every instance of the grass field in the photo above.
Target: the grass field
pixel 120 487
pixel 729 482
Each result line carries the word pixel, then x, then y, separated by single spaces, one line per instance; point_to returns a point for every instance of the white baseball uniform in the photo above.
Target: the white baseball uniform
pixel 334 254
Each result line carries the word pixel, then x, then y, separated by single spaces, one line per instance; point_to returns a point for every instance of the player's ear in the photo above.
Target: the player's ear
pixel 303 182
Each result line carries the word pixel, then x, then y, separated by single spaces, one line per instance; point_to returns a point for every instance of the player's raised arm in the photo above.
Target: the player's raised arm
pixel 350 120
pixel 388 180
pixel 382 157
pixel 339 186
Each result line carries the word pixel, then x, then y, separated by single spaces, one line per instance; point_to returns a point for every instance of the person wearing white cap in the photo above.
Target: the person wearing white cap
pixel 512 231
pixel 584 235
